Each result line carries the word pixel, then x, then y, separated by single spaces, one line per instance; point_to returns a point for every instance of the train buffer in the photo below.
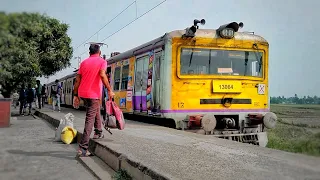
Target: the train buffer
pixel 148 151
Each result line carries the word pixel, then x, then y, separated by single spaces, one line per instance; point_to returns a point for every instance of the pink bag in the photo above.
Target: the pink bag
pixel 115 117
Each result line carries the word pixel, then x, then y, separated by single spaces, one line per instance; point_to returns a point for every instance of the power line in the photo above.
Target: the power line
pixel 134 2
pixel 134 20
pixel 130 23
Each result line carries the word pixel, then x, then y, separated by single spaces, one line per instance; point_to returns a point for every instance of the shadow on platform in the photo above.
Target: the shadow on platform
pixel 56 154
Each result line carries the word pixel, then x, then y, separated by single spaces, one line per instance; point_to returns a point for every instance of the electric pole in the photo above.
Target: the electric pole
pixel 79 60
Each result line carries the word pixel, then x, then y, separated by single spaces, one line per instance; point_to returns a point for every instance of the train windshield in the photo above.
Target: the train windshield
pixel 196 61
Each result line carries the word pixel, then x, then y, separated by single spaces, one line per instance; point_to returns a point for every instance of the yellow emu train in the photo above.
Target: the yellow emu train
pixel 211 81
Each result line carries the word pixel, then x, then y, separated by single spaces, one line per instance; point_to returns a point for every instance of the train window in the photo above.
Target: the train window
pixel 124 77
pixel 157 61
pixel 117 77
pixel 62 87
pixel 68 87
pixel 220 62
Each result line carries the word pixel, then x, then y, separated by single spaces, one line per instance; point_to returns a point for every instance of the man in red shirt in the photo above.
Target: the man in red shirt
pixel 91 75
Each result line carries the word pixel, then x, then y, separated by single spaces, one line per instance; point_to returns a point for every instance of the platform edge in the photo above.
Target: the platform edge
pixel 112 158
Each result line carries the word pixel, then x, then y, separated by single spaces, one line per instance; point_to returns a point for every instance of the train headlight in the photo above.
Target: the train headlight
pixel 227 30
pixel 227 33
pixel 190 32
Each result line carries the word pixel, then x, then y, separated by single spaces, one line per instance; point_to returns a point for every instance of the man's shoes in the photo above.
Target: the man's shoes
pixel 98 134
pixel 83 153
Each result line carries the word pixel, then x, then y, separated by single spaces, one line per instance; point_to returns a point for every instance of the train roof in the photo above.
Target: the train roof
pixel 158 42
pixel 63 78
pixel 68 76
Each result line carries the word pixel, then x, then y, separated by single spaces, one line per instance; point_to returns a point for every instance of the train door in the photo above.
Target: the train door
pixel 71 89
pixel 140 85
pixel 49 94
pixel 156 79
pixel 63 101
pixel 109 78
pixel 109 74
pixel 67 91
pixel 73 82
pixel 71 85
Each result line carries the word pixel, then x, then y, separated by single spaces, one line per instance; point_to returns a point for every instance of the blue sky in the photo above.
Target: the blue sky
pixel 289 26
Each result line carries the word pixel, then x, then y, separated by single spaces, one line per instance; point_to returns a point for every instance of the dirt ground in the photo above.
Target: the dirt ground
pixel 298 129
pixel 309 115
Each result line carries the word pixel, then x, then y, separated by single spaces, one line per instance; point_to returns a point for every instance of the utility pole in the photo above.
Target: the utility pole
pixel 79 60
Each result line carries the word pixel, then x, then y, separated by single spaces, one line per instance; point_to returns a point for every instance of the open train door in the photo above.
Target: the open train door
pixel 62 98
pixel 156 83
pixel 104 97
pixel 140 84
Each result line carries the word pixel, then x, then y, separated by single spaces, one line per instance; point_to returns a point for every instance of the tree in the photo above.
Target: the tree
pixel 295 100
pixel 31 45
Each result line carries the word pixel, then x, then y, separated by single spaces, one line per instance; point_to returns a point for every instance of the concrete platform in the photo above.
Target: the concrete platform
pixel 153 152
pixel 28 151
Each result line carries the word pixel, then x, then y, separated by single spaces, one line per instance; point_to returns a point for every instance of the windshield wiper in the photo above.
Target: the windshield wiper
pixel 255 46
pixel 209 60
pixel 191 56
pixel 246 62
pixel 259 60
pixel 260 64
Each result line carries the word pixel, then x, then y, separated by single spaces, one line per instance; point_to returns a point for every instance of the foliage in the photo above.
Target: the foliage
pixel 295 100
pixel 122 175
pixel 31 45
pixel 297 129
pixel 294 139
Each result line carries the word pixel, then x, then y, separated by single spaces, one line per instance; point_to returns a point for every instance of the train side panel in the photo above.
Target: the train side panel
pixel 143 93
pixel 166 80
pixel 148 79
pixel 122 82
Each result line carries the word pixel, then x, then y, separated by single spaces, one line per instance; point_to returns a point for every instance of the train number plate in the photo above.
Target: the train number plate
pixel 220 86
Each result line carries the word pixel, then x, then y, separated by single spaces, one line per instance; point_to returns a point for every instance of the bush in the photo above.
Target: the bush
pixel 122 175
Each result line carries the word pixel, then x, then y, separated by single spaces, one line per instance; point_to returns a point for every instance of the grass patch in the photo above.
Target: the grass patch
pixel 294 139
pixel 296 132
pixel 121 175
pixel 298 124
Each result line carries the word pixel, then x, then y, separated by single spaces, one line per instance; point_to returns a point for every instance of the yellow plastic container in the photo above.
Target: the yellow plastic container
pixel 68 134
pixel 49 101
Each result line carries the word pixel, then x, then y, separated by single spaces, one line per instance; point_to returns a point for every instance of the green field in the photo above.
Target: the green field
pixel 298 129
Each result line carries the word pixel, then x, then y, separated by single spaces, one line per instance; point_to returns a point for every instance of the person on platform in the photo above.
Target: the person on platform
pixel 43 94
pixel 55 95
pixel 30 97
pixel 88 86
pixel 22 99
pixel 38 93
pixel 15 99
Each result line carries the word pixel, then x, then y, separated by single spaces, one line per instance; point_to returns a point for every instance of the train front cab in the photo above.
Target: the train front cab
pixel 221 85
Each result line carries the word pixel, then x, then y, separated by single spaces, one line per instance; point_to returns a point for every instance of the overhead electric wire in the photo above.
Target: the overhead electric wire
pixel 130 23
pixel 134 20
pixel 108 23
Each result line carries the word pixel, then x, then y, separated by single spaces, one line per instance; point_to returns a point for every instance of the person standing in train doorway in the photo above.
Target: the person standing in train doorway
pixel 55 95
pixel 88 86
